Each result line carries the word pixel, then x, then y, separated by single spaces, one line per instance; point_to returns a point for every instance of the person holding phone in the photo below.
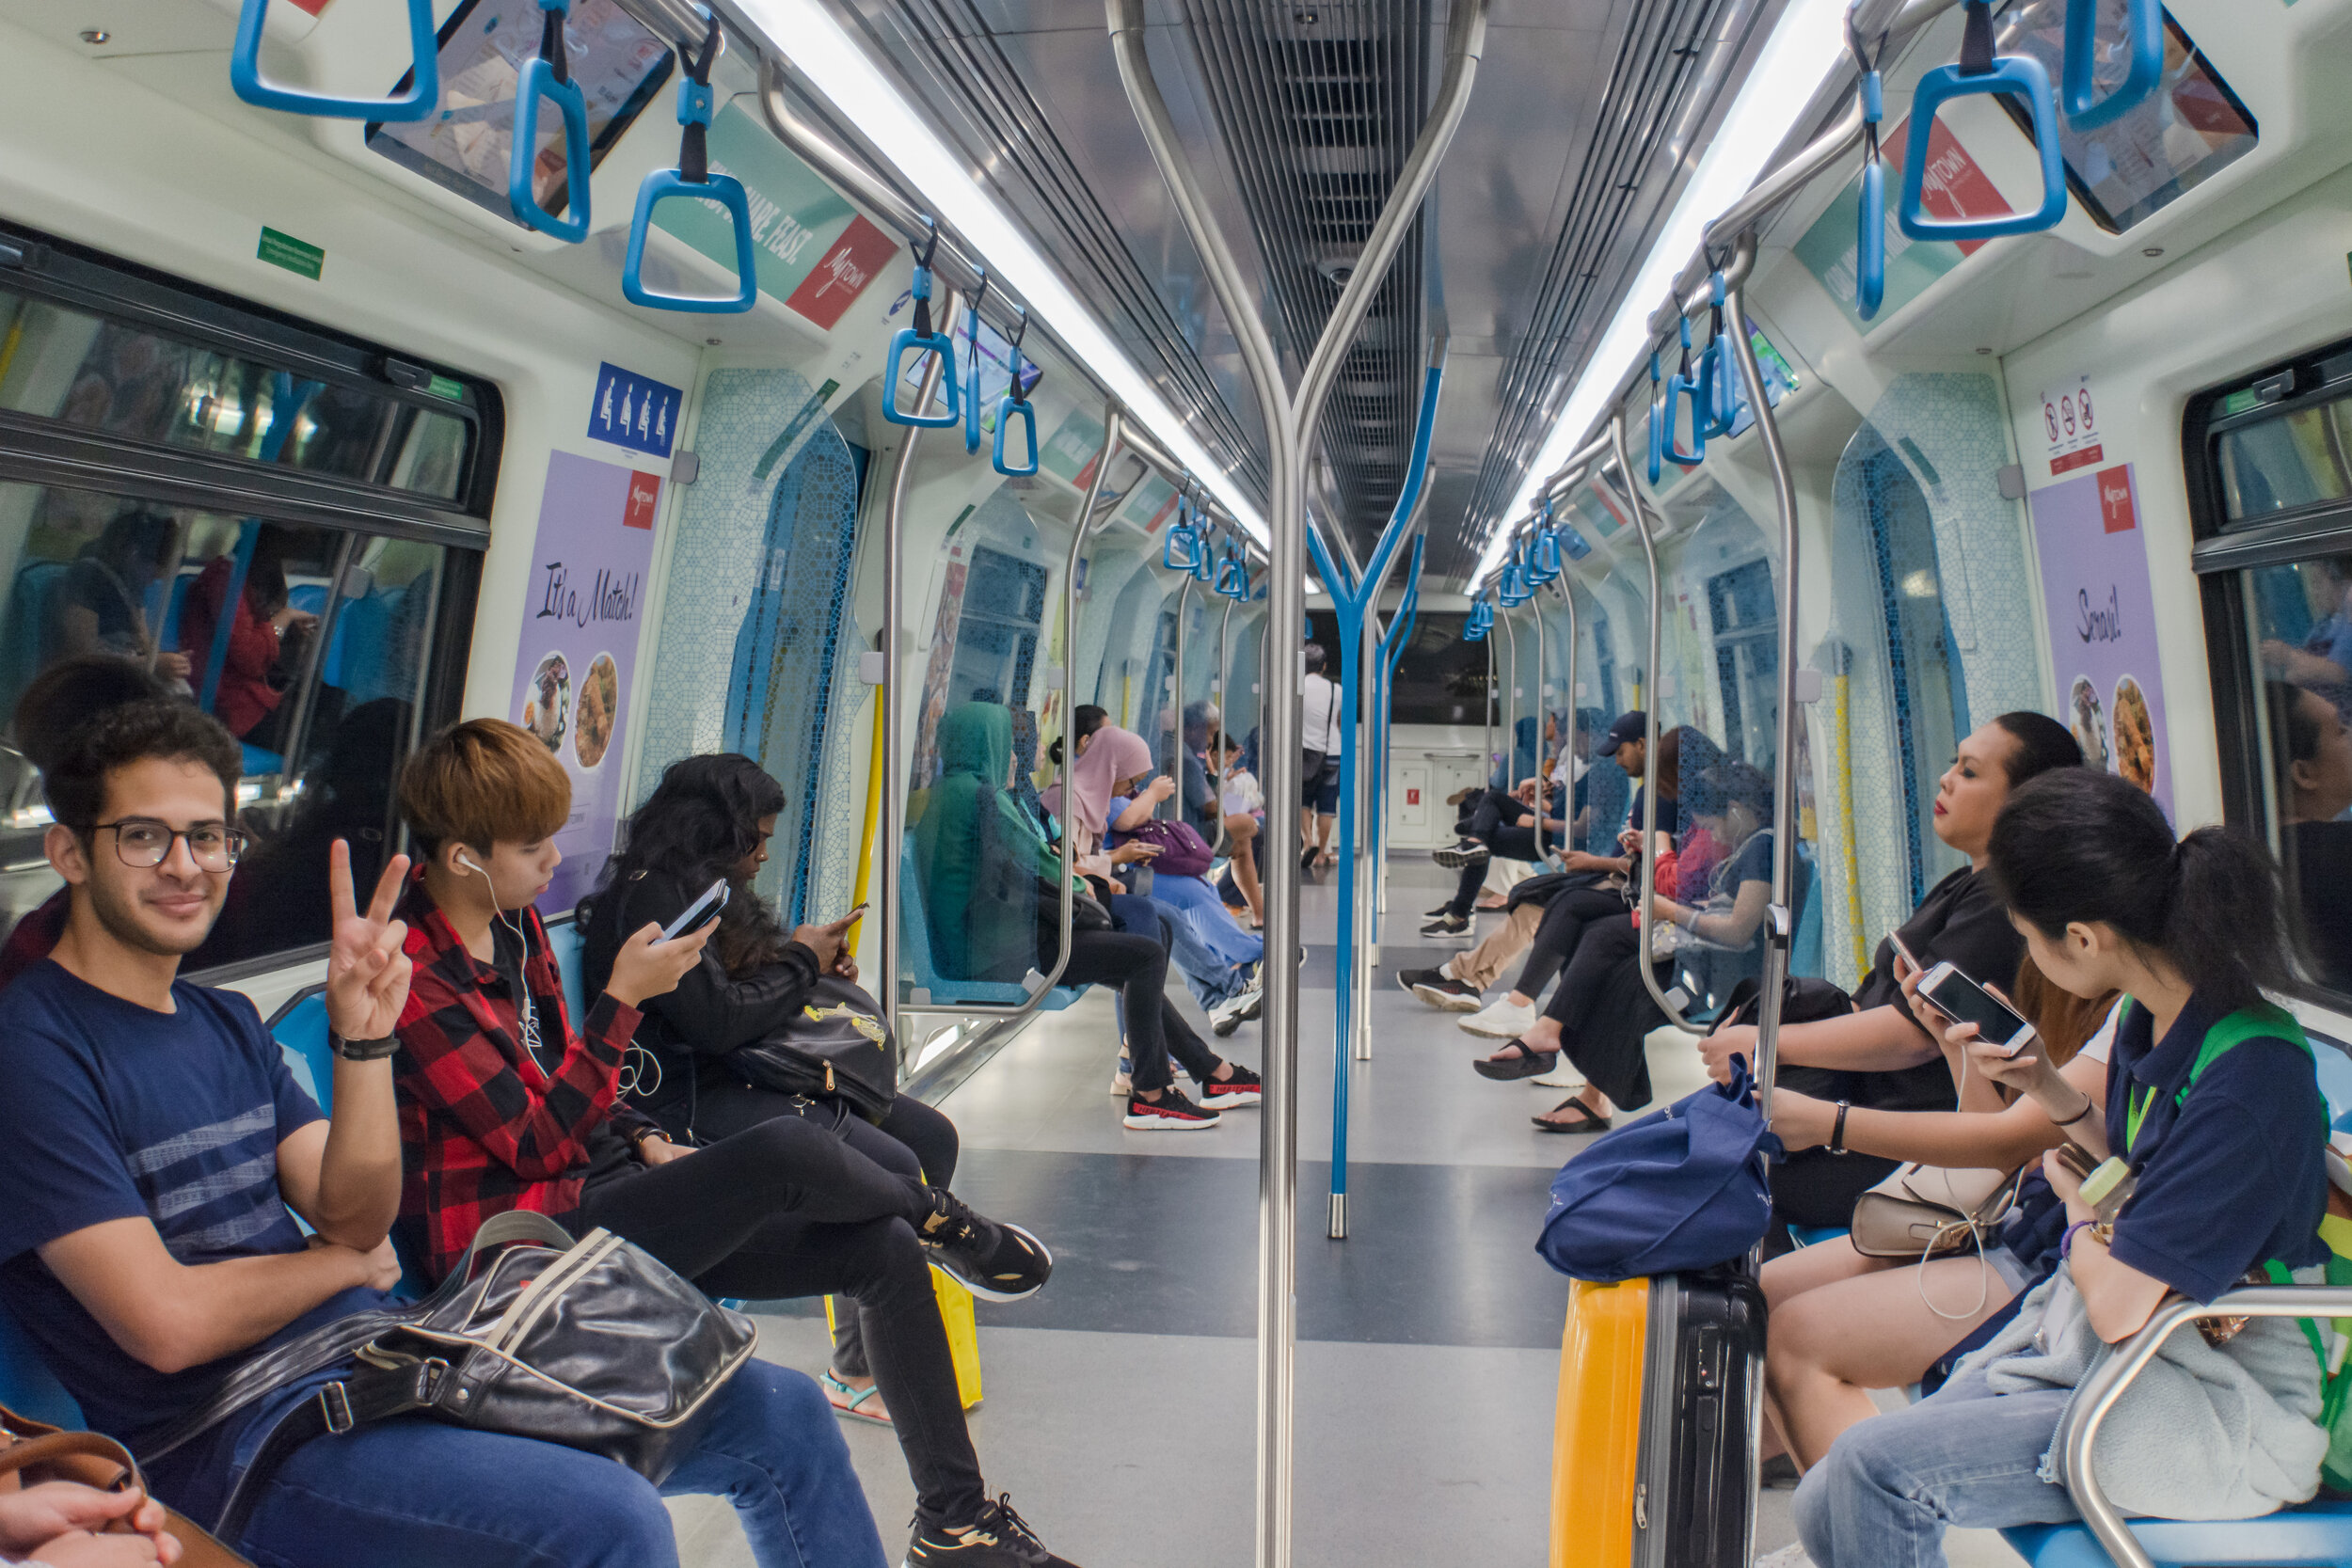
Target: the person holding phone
pixel 1877 1056
pixel 2213 1104
pixel 503 1106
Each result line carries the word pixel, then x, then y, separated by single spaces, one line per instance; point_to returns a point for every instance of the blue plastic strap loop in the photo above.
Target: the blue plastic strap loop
pixel 893 379
pixel 693 103
pixel 1869 255
pixel 2021 74
pixel 1547 556
pixel 1679 387
pixel 728 192
pixel 1512 586
pixel 424 79
pixel 1007 410
pixel 1873 98
pixel 537 85
pixel 1176 551
pixel 2143 36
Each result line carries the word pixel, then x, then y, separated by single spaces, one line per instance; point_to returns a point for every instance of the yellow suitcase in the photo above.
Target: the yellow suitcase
pixel 963 1334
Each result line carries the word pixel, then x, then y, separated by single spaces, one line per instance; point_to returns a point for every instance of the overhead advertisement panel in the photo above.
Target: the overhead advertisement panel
pixel 1955 188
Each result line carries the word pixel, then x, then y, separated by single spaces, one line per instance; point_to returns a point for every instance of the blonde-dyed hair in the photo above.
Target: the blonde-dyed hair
pixel 483 781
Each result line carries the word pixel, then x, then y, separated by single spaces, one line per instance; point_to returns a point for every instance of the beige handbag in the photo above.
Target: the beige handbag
pixel 1924 1212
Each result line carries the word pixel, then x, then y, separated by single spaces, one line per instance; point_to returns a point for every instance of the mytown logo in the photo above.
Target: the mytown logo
pixel 841 271
pixel 644 492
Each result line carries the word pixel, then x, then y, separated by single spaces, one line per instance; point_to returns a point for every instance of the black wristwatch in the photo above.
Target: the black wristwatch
pixel 362 1051
pixel 1837 1132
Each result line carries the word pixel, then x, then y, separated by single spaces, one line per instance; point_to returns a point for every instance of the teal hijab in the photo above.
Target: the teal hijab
pixel 979 858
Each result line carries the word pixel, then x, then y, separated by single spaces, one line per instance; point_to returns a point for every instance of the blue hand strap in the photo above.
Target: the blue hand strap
pixel 549 80
pixel 920 340
pixel 693 177
pixel 1981 72
pixel 1013 405
pixel 972 369
pixel 2143 37
pixel 424 73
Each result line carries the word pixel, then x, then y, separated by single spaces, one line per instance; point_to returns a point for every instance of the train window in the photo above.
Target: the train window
pixel 618 65
pixel 128 381
pixel 1004 603
pixel 2189 130
pixel 317 673
pixel 2282 464
pixel 1747 659
pixel 1438 676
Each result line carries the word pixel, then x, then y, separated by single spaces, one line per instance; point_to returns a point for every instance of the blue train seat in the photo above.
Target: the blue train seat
pixel 2318 1534
pixel 916 945
pixel 565 939
pixel 26 1386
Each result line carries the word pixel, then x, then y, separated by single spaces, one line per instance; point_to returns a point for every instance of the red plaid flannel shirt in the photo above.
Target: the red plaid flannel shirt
pixel 482 1129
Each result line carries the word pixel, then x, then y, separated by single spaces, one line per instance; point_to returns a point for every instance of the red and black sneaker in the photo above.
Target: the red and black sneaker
pixel 1224 1094
pixel 1170 1113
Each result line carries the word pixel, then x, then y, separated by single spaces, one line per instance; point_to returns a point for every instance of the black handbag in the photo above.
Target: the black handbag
pixel 593 1345
pixel 835 1044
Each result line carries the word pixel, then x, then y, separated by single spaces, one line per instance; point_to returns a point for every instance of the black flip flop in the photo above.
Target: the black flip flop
pixel 1529 1063
pixel 1588 1121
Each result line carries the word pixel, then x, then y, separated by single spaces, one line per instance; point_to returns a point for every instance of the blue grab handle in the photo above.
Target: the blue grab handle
pixel 1869 257
pixel 417 102
pixel 1716 408
pixel 1547 563
pixel 1179 534
pixel 728 192
pixel 1007 408
pixel 2143 35
pixel 536 85
pixel 2019 74
pixel 972 413
pixel 1679 387
pixel 893 379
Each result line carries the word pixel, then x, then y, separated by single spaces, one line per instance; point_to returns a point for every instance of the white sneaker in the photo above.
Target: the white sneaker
pixel 1499 1019
pixel 1236 1010
pixel 1122 1080
pixel 1787 1557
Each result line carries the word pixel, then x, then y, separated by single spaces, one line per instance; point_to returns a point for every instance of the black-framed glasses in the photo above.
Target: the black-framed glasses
pixel 143 844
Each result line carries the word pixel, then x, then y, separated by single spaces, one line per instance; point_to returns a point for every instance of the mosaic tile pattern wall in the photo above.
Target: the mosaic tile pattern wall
pixel 753 424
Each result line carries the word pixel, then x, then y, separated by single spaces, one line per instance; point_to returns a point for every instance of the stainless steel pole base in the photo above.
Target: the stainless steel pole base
pixel 1339 1217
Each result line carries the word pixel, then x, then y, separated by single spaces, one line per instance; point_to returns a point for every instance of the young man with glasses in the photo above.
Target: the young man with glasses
pixel 159 1152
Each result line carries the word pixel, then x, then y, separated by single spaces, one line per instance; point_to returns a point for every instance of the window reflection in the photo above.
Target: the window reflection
pixel 2302 617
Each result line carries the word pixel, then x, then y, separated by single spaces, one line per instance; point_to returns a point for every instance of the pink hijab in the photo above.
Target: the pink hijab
pixel 1113 754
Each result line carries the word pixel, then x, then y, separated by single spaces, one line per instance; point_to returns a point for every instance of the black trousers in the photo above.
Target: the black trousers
pixel 1486 823
pixel 785 1208
pixel 1136 967
pixel 1571 913
pixel 1814 1187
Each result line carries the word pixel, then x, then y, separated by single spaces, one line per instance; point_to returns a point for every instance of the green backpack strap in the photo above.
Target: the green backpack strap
pixel 2264 1020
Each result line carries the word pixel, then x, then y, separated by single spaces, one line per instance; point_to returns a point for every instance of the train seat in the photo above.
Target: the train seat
pixel 25 1385
pixel 565 939
pixel 2316 1533
pixel 934 990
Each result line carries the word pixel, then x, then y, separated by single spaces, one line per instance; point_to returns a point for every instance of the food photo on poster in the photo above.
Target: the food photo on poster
pixel 2103 624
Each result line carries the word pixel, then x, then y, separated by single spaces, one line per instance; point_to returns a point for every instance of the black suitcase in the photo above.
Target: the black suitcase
pixel 1702 1398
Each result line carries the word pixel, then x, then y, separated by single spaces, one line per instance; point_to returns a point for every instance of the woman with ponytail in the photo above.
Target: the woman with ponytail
pixel 2212 1106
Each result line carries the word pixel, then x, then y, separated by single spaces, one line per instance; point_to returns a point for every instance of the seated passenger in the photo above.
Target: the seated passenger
pixel 1878 1056
pixel 1244 804
pixel 503 1106
pixel 1114 793
pixel 2311 749
pixel 1843 1323
pixel 712 818
pixel 68 694
pixel 159 1151
pixel 2228 1152
pixel 1602 1013
pixel 100 607
pixel 991 890
pixel 255 663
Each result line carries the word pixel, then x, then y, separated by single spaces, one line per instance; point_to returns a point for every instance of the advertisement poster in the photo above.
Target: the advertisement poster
pixel 2103 624
pixel 581 614
pixel 1954 188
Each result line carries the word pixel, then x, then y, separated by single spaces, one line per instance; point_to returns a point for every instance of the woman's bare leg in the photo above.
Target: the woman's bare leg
pixel 1242 829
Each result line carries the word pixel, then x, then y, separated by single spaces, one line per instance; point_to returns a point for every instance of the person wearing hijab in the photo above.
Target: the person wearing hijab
pixel 989 884
pixel 1213 951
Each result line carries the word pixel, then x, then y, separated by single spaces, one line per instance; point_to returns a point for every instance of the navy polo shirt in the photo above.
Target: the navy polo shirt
pixel 2234 1177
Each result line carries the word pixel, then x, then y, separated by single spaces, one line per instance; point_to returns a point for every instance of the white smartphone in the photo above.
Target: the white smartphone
pixel 1962 1000
pixel 701 911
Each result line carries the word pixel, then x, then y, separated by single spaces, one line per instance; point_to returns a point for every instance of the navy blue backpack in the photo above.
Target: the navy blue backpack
pixel 1683 1188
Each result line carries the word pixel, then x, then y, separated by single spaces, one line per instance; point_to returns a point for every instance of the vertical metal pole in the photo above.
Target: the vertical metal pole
pixel 1176 702
pixel 886 847
pixel 1543 711
pixel 1509 693
pixel 1567 741
pixel 1224 707
pixel 1487 711
pixel 1290 431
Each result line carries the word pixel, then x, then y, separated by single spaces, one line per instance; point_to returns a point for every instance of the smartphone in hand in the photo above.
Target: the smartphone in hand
pixel 1962 1000
pixel 700 913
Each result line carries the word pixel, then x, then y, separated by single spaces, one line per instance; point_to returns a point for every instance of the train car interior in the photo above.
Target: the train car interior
pixel 1371 581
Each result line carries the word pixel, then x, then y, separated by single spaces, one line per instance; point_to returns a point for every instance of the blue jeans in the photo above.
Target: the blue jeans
pixel 1890 1486
pixel 413 1490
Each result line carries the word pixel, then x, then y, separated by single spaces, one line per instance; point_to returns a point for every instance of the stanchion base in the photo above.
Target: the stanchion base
pixel 1339 1217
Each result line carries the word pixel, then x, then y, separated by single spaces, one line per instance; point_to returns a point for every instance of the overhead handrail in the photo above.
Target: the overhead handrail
pixel 1870 232
pixel 919 337
pixel 2143 37
pixel 1981 72
pixel 1013 405
pixel 547 79
pixel 424 74
pixel 693 177
pixel 972 372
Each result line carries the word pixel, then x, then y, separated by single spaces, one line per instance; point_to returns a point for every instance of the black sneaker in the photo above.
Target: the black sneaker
pixel 1432 915
pixel 994 1260
pixel 1447 994
pixel 1241 1088
pixel 1000 1539
pixel 1170 1113
pixel 1409 978
pixel 1446 925
pixel 1468 852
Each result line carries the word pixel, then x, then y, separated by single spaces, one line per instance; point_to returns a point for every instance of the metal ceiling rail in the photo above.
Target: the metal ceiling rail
pixel 1290 421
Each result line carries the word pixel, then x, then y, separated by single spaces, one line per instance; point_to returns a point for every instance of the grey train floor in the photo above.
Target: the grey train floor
pixel 1121 1399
